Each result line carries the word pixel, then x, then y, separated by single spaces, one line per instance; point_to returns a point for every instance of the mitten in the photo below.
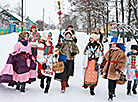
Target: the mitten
pixel 44 66
pixel 73 53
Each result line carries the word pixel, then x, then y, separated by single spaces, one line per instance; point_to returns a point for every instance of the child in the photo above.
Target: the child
pixel 45 59
pixel 132 69
pixel 34 39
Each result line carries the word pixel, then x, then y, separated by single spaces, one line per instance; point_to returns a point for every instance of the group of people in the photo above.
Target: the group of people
pixel 34 55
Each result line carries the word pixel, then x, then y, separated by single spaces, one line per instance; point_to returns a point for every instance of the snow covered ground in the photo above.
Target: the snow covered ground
pixel 75 93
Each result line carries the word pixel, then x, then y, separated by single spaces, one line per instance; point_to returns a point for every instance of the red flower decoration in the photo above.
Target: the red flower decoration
pixel 60 13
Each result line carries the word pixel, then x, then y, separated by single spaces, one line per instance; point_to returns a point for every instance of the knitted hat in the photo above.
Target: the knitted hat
pixel 32 28
pixel 135 47
pixel 94 36
pixel 45 35
pixel 114 40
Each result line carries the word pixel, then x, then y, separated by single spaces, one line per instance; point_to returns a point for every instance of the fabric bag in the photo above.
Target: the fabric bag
pixel 62 58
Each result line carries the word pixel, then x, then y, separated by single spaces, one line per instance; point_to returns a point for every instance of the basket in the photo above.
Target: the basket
pixel 58 67
pixel 122 80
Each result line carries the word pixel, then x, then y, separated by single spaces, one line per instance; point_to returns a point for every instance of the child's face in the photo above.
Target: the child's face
pixel 134 51
pixel 70 28
pixel 49 37
pixel 68 36
pixel 33 30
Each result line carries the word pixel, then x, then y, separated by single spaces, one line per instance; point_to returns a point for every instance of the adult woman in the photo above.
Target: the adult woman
pixel 68 49
pixel 93 59
pixel 21 66
pixel 113 63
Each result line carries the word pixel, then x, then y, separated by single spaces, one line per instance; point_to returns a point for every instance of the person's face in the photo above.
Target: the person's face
pixel 68 36
pixel 49 37
pixel 134 51
pixel 97 31
pixel 33 30
pixel 26 37
pixel 70 28
pixel 92 40
pixel 113 45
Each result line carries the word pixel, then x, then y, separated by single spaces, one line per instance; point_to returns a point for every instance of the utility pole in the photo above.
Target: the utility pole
pixel 22 18
pixel 107 21
pixel 49 22
pixel 43 17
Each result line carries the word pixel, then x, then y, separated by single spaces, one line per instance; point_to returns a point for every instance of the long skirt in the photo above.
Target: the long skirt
pixel 68 71
pixel 16 70
pixel 91 74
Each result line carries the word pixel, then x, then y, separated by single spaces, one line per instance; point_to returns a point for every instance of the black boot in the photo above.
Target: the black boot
pixel 42 83
pixel 92 90
pixel 18 86
pixel 46 89
pixel 48 84
pixel 134 91
pixel 128 92
pixel 110 99
pixel 23 87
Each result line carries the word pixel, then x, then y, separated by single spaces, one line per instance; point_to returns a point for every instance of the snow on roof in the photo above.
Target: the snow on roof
pixel 17 16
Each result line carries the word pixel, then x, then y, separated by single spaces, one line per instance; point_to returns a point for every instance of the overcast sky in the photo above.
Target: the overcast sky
pixel 34 8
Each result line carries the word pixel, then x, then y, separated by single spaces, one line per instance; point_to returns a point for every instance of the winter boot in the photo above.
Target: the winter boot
pixel 63 86
pixel 85 86
pixel 42 83
pixel 128 92
pixel 67 85
pixel 23 87
pixel 92 90
pixel 18 86
pixel 110 99
pixel 134 91
pixel 47 87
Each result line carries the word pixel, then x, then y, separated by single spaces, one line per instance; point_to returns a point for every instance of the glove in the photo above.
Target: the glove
pixel 75 40
pixel 56 55
pixel 44 66
pixel 73 53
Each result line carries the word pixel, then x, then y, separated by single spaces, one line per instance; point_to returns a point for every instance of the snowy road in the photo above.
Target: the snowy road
pixel 75 93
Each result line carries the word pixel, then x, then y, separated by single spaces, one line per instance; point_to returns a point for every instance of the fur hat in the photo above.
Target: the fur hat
pixel 94 36
pixel 135 47
pixel 70 26
pixel 68 32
